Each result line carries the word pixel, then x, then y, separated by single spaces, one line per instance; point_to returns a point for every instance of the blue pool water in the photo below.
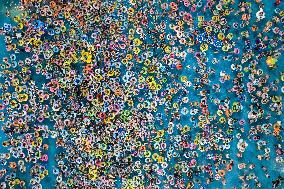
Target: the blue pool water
pixel 249 156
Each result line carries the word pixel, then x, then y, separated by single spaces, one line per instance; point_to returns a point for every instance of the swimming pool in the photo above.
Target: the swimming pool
pixel 169 94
